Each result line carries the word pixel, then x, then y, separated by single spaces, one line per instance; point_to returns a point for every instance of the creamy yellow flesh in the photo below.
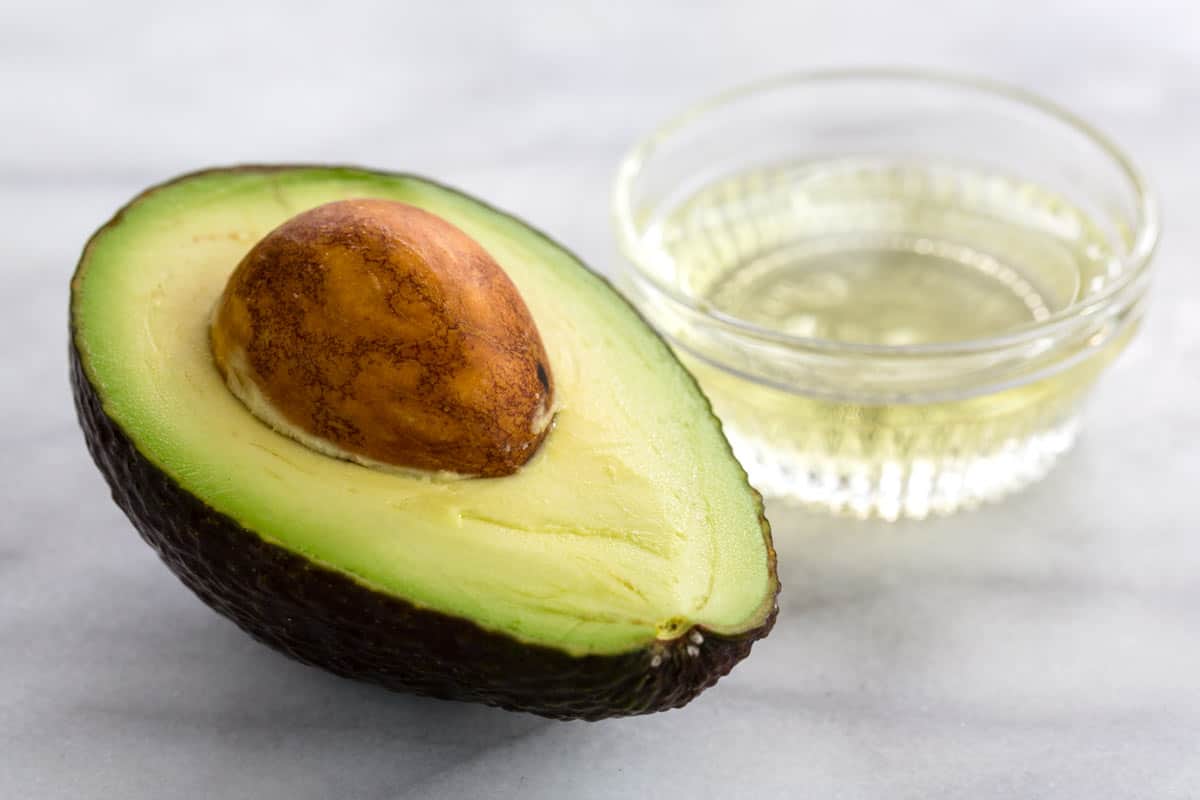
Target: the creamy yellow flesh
pixel 631 522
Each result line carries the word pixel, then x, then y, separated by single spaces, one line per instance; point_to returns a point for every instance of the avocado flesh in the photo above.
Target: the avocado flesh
pixel 632 524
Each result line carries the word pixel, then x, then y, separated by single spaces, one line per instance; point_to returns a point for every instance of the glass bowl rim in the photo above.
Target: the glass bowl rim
pixel 1134 264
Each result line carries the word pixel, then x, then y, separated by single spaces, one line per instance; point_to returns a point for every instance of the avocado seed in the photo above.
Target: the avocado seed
pixel 377 332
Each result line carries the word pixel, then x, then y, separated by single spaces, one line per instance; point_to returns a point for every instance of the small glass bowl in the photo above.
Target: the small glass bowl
pixel 896 287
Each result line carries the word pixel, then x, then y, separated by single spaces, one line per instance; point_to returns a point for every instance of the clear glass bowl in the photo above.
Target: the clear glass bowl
pixel 897 288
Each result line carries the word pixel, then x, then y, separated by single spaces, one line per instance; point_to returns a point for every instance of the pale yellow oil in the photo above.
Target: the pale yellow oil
pixel 897 255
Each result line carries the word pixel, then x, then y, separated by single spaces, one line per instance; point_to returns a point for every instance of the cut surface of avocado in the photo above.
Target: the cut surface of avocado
pixel 632 524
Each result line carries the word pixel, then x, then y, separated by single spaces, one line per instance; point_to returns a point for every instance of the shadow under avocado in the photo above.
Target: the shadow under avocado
pixel 209 674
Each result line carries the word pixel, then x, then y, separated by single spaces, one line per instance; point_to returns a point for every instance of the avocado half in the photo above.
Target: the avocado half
pixel 623 570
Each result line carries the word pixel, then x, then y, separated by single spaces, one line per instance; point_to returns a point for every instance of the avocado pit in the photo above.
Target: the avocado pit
pixel 375 331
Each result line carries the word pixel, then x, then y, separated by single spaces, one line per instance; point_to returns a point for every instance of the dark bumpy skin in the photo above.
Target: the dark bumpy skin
pixel 390 333
pixel 324 618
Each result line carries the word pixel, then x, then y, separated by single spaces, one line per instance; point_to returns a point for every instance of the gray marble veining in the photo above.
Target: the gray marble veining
pixel 1047 647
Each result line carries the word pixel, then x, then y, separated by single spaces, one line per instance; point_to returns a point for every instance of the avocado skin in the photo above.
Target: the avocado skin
pixel 326 619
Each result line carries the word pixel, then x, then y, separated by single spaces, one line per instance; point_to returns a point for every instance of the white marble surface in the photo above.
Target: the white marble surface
pixel 1049 647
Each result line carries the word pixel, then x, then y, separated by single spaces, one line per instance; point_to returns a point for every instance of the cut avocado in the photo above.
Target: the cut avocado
pixel 622 570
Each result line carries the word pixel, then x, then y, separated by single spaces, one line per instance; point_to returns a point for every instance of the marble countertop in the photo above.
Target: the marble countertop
pixel 1046 647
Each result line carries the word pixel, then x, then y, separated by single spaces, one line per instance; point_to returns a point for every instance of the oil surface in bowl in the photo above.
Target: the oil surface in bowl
pixel 888 254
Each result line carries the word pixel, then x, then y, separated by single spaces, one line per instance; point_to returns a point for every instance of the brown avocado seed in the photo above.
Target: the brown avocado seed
pixel 375 331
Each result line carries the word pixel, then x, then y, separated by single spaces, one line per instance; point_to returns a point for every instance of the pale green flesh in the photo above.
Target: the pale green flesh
pixel 632 522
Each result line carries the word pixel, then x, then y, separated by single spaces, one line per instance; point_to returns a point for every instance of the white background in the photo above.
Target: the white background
pixel 1048 647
